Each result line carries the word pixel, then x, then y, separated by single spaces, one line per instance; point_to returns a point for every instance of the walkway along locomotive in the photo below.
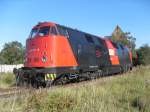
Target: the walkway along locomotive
pixel 58 54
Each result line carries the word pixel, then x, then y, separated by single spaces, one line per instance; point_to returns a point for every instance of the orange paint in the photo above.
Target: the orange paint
pixel 49 51
pixel 63 53
pixel 112 52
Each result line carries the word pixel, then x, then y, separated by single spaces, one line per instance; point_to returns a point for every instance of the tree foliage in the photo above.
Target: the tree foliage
pixel 126 39
pixel 144 55
pixel 12 53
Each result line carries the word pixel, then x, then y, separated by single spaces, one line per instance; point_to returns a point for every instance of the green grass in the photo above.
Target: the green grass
pixel 129 92
pixel 7 80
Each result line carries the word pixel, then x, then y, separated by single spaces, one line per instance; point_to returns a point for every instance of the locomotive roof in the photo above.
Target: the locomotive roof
pixel 80 31
pixel 41 24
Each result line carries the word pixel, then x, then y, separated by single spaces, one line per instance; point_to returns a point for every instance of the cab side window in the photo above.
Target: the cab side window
pixel 62 31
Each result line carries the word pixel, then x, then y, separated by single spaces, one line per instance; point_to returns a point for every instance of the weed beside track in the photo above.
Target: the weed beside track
pixel 126 92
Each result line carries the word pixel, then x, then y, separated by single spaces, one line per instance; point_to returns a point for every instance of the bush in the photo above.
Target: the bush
pixel 144 55
pixel 53 102
pixel 7 80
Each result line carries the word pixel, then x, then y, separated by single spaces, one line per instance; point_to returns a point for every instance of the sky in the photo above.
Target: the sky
pixel 98 17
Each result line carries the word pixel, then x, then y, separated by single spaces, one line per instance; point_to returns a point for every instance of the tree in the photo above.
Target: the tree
pixel 12 53
pixel 144 55
pixel 126 39
pixel 119 36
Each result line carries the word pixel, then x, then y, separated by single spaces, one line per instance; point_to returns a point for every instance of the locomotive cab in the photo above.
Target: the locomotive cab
pixel 48 46
pixel 39 46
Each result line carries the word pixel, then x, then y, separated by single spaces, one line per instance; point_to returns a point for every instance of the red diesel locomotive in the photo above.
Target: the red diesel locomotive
pixel 58 54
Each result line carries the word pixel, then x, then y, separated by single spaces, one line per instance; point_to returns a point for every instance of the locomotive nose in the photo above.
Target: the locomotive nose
pixel 38 52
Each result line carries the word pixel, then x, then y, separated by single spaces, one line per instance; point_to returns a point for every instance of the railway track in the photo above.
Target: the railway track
pixel 10 92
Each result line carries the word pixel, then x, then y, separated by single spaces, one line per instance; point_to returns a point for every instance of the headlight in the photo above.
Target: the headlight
pixel 44 59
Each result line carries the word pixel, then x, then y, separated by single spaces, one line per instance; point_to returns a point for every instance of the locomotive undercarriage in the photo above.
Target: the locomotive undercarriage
pixel 32 78
pixel 41 77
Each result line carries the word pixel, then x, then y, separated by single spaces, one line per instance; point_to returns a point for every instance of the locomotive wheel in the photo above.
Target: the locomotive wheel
pixel 38 81
pixel 34 83
pixel 20 81
pixel 61 81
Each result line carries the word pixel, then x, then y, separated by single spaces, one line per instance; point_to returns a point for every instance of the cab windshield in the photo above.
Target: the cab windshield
pixel 33 32
pixel 43 31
